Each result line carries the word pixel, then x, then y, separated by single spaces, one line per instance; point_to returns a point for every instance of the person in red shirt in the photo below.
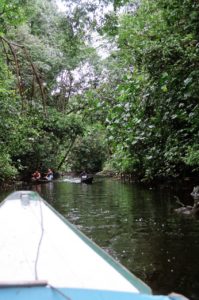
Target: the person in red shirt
pixel 36 175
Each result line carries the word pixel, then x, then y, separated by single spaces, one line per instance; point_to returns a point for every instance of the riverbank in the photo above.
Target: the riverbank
pixel 184 183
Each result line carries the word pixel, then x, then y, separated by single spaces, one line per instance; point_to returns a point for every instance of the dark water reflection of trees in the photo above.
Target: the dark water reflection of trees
pixel 138 227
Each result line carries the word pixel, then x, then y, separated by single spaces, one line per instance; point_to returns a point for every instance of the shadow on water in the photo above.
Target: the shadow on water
pixel 137 226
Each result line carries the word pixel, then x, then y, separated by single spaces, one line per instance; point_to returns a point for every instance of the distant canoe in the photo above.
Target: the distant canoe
pixel 43 256
pixel 87 180
pixel 40 181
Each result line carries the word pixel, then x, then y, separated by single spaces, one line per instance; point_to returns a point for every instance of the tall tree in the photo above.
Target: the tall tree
pixel 153 120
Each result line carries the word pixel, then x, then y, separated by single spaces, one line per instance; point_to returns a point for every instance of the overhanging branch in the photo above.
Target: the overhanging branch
pixel 35 72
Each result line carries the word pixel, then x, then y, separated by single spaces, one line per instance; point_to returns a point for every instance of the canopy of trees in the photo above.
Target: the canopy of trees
pixel 133 109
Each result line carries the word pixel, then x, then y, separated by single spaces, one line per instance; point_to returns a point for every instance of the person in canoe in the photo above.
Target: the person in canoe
pixel 86 178
pixel 49 175
pixel 83 175
pixel 36 175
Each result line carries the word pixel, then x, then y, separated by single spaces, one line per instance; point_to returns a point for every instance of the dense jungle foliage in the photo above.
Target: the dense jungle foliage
pixel 129 104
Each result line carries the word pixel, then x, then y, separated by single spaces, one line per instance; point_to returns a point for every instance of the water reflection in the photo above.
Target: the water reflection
pixel 137 227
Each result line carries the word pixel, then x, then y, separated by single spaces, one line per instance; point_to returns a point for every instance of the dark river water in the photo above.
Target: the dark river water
pixel 137 226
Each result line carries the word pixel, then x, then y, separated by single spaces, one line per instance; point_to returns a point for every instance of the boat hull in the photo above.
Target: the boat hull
pixel 40 181
pixel 88 180
pixel 52 293
pixel 52 259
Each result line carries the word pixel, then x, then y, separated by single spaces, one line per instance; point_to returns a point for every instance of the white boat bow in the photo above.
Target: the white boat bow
pixel 40 248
